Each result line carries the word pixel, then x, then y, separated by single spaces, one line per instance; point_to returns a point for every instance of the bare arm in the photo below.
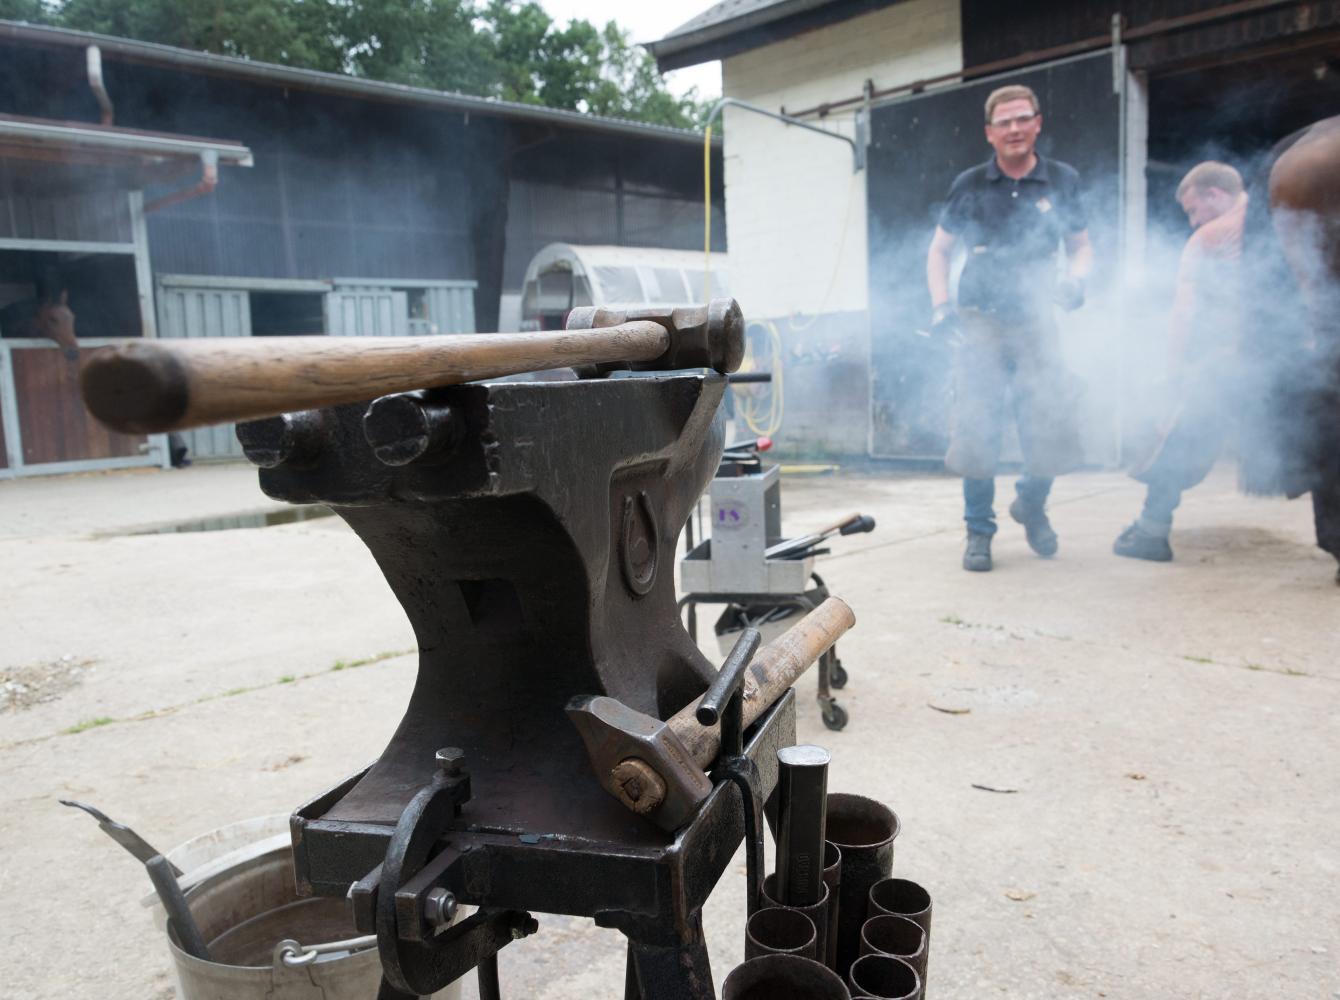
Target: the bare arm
pixel 937 266
pixel 1079 255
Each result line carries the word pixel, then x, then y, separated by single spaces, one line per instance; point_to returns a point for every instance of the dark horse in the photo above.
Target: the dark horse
pixel 1303 184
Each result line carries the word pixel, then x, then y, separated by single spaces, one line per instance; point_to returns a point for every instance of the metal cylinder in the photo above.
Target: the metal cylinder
pixel 783 977
pixel 903 898
pixel 779 930
pixel 802 789
pixel 832 879
pixel 864 830
pixel 817 912
pixel 883 977
pixel 887 934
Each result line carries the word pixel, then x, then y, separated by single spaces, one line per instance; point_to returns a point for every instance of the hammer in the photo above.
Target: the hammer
pixel 655 767
pixel 152 386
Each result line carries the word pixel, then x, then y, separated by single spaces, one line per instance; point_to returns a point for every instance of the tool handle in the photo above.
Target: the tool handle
pixel 178 910
pixel 775 667
pixel 839 524
pixel 152 386
pixel 728 678
pixel 857 525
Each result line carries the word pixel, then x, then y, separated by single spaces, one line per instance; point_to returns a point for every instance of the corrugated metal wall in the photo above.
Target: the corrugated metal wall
pixel 367 312
pixel 205 312
pixel 451 309
pixel 59 202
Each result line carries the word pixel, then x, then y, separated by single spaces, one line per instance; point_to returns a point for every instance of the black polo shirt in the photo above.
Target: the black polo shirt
pixel 1011 229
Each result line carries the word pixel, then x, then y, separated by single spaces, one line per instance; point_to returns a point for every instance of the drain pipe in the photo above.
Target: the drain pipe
pixel 209 180
pixel 95 83
pixel 857 153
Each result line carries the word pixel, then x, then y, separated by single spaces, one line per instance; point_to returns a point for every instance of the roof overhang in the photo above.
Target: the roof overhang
pixel 754 29
pixel 106 145
pixel 207 63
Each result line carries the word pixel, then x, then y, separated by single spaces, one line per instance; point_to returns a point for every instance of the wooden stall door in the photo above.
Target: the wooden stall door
pixel 54 423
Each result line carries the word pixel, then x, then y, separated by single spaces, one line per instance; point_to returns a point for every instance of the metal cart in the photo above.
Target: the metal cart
pixel 763 578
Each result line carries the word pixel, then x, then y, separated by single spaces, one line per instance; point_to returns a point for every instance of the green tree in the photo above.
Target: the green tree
pixel 32 11
pixel 293 32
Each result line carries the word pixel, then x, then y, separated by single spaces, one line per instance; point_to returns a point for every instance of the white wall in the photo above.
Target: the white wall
pixel 795 211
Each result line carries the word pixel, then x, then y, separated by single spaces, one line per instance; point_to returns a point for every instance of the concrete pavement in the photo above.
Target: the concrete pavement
pixel 1163 736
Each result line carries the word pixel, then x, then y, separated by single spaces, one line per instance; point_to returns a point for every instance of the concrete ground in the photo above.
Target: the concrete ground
pixel 1160 739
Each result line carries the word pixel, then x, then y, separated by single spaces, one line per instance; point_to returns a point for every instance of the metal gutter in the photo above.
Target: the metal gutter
pixel 155 54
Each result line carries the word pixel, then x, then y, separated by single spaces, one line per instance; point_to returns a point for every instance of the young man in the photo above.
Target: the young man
pixel 1203 335
pixel 1010 214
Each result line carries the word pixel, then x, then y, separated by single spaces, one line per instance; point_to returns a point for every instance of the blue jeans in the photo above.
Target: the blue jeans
pixel 980 494
pixel 1161 499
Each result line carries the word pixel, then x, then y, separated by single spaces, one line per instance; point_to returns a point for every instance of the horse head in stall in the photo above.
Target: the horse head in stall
pixel 55 321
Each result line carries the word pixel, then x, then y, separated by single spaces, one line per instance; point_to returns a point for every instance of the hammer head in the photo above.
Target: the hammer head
pixel 710 336
pixel 640 761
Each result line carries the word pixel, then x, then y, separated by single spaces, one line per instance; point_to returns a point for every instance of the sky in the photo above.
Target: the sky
pixel 647 22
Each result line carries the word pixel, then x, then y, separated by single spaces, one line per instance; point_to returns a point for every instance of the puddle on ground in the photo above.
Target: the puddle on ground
pixel 232 522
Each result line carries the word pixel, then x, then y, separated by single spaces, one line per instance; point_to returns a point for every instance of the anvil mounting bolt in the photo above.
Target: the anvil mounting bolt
pixel 450 759
pixel 439 907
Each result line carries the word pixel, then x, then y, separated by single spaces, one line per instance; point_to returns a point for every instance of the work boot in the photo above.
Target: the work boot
pixel 977 556
pixel 1135 543
pixel 1037 529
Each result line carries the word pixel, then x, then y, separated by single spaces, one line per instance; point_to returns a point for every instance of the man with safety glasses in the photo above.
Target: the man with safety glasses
pixel 1010 215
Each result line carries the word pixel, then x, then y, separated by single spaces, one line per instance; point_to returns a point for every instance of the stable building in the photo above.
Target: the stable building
pixel 828 249
pixel 327 204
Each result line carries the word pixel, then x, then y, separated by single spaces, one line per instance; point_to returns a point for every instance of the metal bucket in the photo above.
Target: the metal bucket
pixel 266 943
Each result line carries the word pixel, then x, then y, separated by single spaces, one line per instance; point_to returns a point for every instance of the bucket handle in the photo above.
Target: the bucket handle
pixel 293 955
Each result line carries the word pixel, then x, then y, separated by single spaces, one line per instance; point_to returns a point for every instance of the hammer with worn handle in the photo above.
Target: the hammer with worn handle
pixel 656 767
pixel 152 386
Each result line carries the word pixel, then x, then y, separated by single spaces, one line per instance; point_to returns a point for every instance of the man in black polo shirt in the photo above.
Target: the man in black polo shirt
pixel 1010 215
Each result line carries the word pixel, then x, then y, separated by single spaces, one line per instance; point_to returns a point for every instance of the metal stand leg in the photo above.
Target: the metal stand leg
pixel 630 987
pixel 674 972
pixel 489 989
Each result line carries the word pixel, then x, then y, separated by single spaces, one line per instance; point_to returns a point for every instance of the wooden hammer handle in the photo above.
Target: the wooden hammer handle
pixel 839 524
pixel 774 668
pixel 151 386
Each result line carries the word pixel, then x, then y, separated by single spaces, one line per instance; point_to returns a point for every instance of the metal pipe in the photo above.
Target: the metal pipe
pixel 883 977
pixel 903 898
pixel 209 180
pixel 783 977
pixel 899 937
pixel 725 102
pixel 93 60
pixel 864 830
pixel 780 930
pixel 817 912
pixel 832 879
pixel 802 788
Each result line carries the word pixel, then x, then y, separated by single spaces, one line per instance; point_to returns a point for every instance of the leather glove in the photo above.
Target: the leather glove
pixel 944 324
pixel 1069 293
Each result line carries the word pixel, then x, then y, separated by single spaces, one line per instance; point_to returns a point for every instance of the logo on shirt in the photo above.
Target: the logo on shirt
pixel 1044 205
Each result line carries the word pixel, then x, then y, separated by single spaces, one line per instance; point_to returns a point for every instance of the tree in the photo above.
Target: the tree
pixel 491 48
pixel 32 11
pixel 293 32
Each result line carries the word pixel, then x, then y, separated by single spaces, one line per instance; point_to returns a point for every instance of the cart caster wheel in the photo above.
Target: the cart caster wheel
pixel 835 717
pixel 837 677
